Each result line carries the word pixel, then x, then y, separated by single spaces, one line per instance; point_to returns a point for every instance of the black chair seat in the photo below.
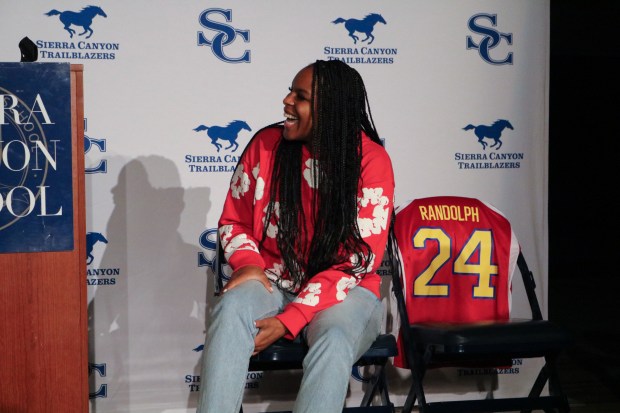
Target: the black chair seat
pixel 518 337
pixel 282 355
pixel 383 347
pixel 286 354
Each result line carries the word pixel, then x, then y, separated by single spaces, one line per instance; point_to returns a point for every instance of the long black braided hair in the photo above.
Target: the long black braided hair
pixel 342 113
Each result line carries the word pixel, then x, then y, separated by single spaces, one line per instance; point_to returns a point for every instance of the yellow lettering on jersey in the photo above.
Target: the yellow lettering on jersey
pixel 472 214
pixel 422 210
pixel 449 213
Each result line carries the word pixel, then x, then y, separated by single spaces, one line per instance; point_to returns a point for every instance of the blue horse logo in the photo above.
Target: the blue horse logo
pixel 228 133
pixel 91 239
pixel 83 18
pixel 366 26
pixel 492 132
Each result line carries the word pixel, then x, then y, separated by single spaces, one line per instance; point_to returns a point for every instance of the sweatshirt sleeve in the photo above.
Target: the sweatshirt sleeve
pixel 375 203
pixel 236 227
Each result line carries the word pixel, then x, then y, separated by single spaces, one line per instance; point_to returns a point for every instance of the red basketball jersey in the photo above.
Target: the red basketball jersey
pixel 458 256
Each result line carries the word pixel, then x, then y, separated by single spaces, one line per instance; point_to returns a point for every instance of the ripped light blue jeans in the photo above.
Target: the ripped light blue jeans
pixel 337 337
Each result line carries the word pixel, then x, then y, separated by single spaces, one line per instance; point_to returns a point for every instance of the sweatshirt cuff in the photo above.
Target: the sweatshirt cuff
pixel 243 258
pixel 293 319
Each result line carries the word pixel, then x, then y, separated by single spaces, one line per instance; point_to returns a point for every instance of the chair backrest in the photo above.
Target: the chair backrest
pixel 457 259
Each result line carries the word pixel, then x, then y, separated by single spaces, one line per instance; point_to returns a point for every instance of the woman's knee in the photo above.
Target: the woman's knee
pixel 248 301
pixel 235 302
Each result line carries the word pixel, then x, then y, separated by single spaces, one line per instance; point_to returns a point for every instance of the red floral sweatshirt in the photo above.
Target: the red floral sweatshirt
pixel 242 221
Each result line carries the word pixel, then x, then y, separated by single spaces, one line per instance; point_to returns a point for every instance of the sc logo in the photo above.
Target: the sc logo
pixel 208 240
pixel 490 40
pixel 101 370
pixel 101 146
pixel 226 34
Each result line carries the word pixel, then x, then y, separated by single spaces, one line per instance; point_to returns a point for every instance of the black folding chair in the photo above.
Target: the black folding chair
pixel 444 244
pixel 289 355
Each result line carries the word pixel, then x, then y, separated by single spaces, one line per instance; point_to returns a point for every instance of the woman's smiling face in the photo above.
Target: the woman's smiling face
pixel 297 107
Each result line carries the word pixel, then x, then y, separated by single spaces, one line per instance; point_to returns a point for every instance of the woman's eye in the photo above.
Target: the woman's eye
pixel 297 95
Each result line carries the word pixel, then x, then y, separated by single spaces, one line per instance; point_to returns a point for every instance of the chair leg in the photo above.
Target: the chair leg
pixel 539 383
pixel 416 392
pixel 377 384
pixel 538 386
pixel 410 401
pixel 555 388
pixel 417 376
pixel 373 386
pixel 548 374
pixel 385 393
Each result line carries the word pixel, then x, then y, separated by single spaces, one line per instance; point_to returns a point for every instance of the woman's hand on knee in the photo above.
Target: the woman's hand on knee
pixel 270 329
pixel 249 272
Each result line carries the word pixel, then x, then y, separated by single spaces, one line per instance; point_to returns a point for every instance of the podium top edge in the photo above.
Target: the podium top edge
pixel 77 67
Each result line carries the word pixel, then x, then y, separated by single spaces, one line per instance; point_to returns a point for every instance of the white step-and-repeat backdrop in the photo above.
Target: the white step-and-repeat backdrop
pixel 458 90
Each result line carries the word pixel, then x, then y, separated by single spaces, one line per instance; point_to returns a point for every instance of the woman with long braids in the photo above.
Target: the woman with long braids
pixel 304 227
